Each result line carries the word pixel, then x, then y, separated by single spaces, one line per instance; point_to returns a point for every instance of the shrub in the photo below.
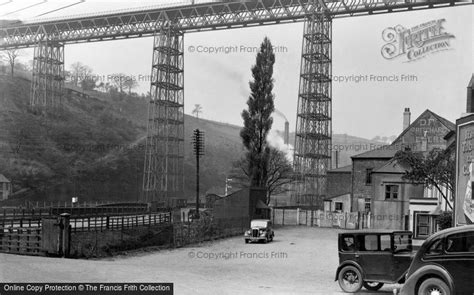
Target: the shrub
pixel 445 220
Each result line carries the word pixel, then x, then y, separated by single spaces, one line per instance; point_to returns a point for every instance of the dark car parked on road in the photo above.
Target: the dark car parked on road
pixel 261 230
pixel 444 264
pixel 370 258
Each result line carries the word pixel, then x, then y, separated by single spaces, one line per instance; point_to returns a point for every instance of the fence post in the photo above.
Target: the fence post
pixel 283 218
pixel 297 216
pixel 66 236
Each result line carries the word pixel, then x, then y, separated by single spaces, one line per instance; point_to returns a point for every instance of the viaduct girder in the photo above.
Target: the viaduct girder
pixel 214 15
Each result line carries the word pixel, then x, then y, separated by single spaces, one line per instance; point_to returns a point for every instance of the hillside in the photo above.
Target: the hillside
pixel 93 147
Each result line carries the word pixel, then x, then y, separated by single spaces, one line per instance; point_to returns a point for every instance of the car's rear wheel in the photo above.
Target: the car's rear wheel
pixel 372 286
pixel 434 286
pixel 246 241
pixel 350 279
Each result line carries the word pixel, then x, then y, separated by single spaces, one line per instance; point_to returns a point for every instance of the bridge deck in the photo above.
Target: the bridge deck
pixel 187 17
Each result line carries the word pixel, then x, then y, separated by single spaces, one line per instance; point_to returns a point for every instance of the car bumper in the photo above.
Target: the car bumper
pixel 255 238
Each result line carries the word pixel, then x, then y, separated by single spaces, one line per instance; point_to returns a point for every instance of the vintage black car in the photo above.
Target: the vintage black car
pixel 444 264
pixel 261 230
pixel 370 258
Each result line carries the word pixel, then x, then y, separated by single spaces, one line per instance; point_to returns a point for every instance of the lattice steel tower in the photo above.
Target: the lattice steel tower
pixel 312 156
pixel 164 155
pixel 48 74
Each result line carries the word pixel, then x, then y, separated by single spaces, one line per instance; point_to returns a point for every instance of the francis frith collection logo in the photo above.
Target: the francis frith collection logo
pixel 417 42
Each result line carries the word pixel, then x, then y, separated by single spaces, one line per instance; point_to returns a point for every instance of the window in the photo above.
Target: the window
pixel 462 242
pixel 371 243
pixel 385 243
pixel 422 225
pixel 347 243
pixel 368 176
pixel 391 192
pixel 338 206
pixel 435 248
pixel 367 205
pixel 402 242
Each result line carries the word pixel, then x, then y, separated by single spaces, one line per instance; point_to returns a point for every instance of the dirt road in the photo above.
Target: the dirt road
pixel 301 260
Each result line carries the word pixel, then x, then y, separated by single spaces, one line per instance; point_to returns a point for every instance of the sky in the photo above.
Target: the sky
pixel 370 92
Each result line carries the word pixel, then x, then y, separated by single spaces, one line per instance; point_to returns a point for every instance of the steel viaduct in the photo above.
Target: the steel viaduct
pixel 164 156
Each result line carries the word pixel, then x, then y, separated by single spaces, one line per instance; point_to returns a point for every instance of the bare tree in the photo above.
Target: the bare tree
pixel 280 173
pixel 80 72
pixel 118 80
pixel 130 83
pixel 197 110
pixel 10 56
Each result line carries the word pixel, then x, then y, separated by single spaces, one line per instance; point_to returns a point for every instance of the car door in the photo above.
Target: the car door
pixel 459 261
pixel 375 257
pixel 402 254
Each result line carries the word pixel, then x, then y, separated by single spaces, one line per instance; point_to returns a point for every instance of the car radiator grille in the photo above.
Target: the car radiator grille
pixel 255 233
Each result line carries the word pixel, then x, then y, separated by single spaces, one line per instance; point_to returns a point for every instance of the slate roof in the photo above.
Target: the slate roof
pixel 392 167
pixel 383 152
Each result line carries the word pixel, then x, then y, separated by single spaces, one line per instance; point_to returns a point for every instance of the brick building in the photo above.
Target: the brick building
pixel 363 165
pixel 374 182
pixel 339 189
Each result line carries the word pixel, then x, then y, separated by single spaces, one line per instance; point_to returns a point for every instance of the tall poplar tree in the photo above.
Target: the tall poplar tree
pixel 257 118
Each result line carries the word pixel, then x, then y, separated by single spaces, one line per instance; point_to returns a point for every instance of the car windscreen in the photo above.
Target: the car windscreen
pixel 258 223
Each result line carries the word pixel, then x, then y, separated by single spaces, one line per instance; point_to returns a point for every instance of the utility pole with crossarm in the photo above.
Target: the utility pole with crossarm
pixel 198 147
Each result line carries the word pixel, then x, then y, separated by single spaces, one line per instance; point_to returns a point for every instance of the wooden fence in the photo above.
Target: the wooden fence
pixel 21 241
pixel 14 218
pixel 99 223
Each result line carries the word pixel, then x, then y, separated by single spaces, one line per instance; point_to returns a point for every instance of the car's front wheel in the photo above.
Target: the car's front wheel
pixel 246 241
pixel 434 286
pixel 372 286
pixel 350 279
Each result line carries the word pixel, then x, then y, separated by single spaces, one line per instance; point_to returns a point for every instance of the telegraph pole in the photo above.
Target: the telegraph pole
pixel 198 147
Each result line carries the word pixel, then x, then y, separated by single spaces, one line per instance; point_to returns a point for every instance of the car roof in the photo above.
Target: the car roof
pixel 260 220
pixel 451 230
pixel 375 231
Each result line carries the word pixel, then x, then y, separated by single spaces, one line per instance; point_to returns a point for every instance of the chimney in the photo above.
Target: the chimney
pixel 287 133
pixel 470 96
pixel 406 118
